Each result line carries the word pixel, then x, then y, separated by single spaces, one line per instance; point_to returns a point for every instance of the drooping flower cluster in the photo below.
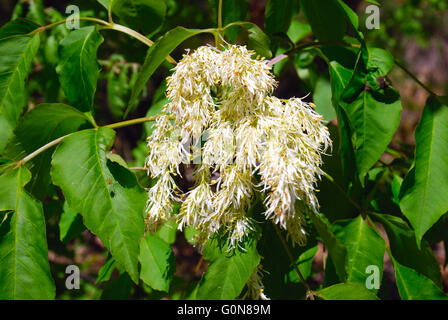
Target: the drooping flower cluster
pixel 242 141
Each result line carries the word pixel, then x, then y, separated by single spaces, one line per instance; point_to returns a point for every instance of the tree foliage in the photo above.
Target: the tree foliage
pixel 66 94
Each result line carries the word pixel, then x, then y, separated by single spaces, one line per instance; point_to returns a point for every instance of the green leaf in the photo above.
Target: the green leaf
pixel 107 269
pixel 423 192
pixel 336 249
pixel 145 15
pixel 120 80
pixel 374 2
pixel 298 30
pixel 41 125
pixel 281 280
pixel 156 55
pixel 119 288
pixel 227 273
pixel 168 232
pixel 351 15
pixel 36 11
pixel 404 248
pixel 322 99
pixel 232 10
pixel 304 263
pixel 380 61
pixel 70 224
pixel 374 121
pixel 155 109
pixel 327 19
pixel 190 234
pixel 364 248
pixel 415 286
pixel 340 64
pixel 157 261
pixel 373 115
pixel 16 56
pixel 106 194
pixel 25 271
pixel 106 4
pixel 16 27
pixel 78 68
pixel 258 40
pixel 397 181
pixel 438 233
pixel 278 15
pixel 332 194
pixel 346 291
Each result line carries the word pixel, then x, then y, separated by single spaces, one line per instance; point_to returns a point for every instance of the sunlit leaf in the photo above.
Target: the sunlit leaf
pixel 106 194
pixel 422 194
pixel 24 271
pixel 16 55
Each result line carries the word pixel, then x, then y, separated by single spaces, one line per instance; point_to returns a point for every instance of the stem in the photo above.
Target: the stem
pixel 130 122
pixel 218 32
pixel 220 14
pixel 41 149
pixel 277 59
pixel 308 45
pixel 409 73
pixel 131 32
pixel 138 36
pixel 309 292
pixel 109 14
pixel 137 168
pixel 58 140
pixel 108 25
pixel 198 266
pixel 49 26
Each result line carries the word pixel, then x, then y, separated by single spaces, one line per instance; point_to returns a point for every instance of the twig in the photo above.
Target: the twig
pixel 58 140
pixel 309 292
pixel 107 25
pixel 130 122
pixel 41 149
pixel 409 73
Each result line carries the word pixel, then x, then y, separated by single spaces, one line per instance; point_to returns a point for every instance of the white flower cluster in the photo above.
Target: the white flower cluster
pixel 249 142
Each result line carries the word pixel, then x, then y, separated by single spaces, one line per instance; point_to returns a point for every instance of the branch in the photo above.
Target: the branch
pixel 309 292
pixel 107 25
pixel 130 122
pixel 42 149
pixel 58 140
pixel 217 34
pixel 409 73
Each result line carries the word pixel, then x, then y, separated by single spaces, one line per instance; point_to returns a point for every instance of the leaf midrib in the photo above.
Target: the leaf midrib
pixel 113 210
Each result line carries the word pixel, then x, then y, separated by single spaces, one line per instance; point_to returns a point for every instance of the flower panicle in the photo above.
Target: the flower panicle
pixel 249 142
